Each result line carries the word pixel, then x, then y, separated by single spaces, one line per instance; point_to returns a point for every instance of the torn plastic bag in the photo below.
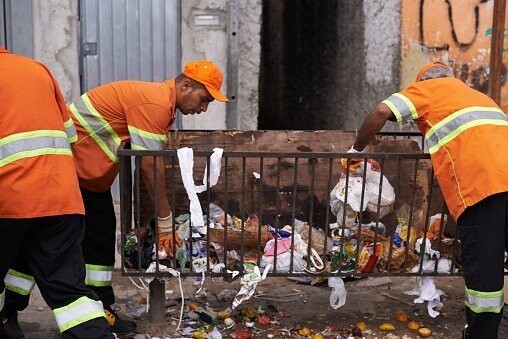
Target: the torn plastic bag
pixel 339 293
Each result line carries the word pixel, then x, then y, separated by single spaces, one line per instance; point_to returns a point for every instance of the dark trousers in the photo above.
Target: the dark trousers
pixel 98 248
pixel 99 241
pixel 483 230
pixel 51 247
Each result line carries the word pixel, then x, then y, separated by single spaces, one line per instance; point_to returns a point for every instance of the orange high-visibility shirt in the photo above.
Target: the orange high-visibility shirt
pixel 37 174
pixel 136 111
pixel 466 134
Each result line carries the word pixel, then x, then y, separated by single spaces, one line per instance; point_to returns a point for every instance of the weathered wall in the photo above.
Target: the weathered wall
pixel 55 39
pixel 205 42
pixel 211 42
pixel 453 31
pixel 326 63
pixel 249 60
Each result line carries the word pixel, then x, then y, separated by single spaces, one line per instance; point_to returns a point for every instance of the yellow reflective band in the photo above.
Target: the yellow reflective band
pixel 70 130
pixel 146 140
pixel 103 121
pixel 19 282
pixel 409 104
pixel 78 312
pixel 97 275
pixel 483 302
pixel 457 114
pixel 93 134
pixel 394 110
pixel 2 299
pixel 32 144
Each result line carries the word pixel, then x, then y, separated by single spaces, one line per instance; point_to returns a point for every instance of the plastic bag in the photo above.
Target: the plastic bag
pixel 373 180
pixel 284 262
pixel 339 293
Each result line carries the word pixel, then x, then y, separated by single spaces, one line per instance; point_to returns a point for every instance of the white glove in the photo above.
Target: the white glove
pixel 166 224
pixel 352 150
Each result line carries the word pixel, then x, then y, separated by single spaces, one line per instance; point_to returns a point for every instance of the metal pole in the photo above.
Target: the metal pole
pixel 232 118
pixel 157 301
pixel 496 50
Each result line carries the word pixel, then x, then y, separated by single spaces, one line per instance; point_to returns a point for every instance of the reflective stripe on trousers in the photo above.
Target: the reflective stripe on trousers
pixel 78 312
pixel 19 282
pixel 97 275
pixel 2 299
pixel 96 126
pixel 481 302
pixel 31 144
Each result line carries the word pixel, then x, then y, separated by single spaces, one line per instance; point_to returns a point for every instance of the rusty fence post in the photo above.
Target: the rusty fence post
pixel 496 50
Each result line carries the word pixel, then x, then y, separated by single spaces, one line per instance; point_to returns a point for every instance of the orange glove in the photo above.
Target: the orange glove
pixel 165 243
pixel 354 163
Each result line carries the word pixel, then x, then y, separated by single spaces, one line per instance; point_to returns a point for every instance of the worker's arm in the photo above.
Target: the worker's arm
pixel 147 166
pixel 373 123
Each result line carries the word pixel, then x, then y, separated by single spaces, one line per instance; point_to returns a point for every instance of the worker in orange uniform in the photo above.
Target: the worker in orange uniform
pixel 41 210
pixel 142 113
pixel 467 137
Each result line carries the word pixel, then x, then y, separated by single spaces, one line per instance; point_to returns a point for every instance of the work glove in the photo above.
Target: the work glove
pixel 165 244
pixel 354 163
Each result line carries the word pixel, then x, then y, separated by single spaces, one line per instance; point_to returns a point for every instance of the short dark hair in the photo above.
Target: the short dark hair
pixel 195 84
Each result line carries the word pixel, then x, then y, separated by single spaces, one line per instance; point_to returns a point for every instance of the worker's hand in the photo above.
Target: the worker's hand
pixel 165 243
pixel 354 163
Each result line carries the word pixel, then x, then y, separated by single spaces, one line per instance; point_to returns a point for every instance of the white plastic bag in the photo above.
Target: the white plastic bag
pixel 339 293
pixel 373 180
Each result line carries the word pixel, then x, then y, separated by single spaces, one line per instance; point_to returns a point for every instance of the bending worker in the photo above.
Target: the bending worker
pixel 467 137
pixel 41 210
pixel 142 113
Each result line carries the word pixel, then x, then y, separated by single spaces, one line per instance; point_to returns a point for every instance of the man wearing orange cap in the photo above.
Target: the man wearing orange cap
pixel 466 134
pixel 142 113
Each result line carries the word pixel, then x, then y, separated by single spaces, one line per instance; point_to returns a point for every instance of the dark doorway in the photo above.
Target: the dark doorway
pixel 311 62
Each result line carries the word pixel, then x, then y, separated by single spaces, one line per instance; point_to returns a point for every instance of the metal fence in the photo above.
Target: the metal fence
pixel 282 209
pixel 286 189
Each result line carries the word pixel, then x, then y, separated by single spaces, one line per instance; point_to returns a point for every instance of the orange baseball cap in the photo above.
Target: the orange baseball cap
pixel 429 66
pixel 208 74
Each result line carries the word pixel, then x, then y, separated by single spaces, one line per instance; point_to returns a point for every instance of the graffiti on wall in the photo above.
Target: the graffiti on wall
pixel 458 32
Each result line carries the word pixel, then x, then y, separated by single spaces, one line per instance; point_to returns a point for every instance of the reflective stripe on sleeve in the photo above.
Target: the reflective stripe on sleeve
pixel 96 126
pixel 482 302
pixel 70 130
pixel 31 144
pixel 78 312
pixel 19 282
pixel 402 107
pixel 146 140
pixel 97 275
pixel 460 121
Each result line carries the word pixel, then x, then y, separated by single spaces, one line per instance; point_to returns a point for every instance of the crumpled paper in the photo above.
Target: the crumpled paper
pixel 249 282
pixel 426 291
pixel 186 161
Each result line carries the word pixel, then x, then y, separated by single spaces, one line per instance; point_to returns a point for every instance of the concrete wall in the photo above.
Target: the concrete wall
pixel 211 42
pixel 249 61
pixel 55 27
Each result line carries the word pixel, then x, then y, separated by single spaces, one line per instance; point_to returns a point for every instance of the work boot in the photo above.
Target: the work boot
pixel 11 328
pixel 117 324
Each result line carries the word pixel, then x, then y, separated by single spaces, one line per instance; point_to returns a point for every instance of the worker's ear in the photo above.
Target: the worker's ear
pixel 186 86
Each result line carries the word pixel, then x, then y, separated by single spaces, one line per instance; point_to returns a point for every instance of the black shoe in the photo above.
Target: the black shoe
pixel 11 328
pixel 117 324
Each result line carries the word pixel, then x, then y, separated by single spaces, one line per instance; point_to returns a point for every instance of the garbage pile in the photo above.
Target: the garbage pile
pixel 248 250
